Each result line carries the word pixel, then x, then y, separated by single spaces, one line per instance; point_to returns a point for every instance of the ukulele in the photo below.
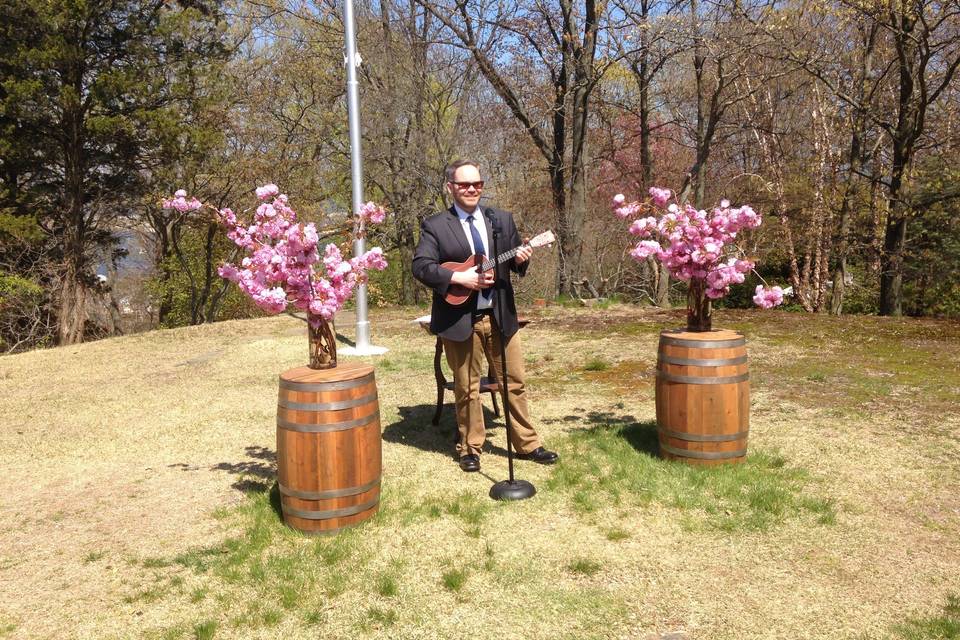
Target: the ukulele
pixel 458 295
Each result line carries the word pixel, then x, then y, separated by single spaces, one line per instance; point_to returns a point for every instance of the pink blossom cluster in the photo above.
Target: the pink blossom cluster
pixel 693 244
pixel 373 213
pixel 180 203
pixel 283 265
pixel 768 298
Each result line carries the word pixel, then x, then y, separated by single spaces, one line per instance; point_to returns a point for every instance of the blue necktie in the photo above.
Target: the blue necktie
pixel 478 247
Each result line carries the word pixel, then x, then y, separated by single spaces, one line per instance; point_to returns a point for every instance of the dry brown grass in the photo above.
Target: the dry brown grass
pixel 118 456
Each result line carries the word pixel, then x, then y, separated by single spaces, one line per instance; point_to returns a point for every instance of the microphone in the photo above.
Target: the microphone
pixel 494 223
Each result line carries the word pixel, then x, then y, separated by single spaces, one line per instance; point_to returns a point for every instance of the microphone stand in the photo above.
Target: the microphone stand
pixel 510 489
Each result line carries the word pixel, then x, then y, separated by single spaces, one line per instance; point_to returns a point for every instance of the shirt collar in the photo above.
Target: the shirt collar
pixel 463 214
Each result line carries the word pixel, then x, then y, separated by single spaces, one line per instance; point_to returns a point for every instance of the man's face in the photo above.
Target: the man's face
pixel 465 188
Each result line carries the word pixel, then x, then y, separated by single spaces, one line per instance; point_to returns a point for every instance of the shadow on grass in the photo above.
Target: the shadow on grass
pixel 414 429
pixel 255 474
pixel 614 461
pixel 642 436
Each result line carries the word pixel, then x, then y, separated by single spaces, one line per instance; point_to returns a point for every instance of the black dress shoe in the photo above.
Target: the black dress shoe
pixel 540 455
pixel 470 462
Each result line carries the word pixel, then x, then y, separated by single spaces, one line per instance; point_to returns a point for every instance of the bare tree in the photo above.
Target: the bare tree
pixel 409 135
pixel 646 49
pixel 514 43
pixel 923 56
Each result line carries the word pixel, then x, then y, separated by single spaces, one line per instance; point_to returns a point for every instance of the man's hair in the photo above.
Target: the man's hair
pixel 451 169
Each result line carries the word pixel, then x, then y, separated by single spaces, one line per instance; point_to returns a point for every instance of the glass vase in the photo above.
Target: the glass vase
pixel 323 342
pixel 699 308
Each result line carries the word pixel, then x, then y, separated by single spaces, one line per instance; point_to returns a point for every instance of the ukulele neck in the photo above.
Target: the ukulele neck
pixel 490 263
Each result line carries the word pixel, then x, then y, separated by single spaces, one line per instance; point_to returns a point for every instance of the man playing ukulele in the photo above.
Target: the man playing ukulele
pixel 454 236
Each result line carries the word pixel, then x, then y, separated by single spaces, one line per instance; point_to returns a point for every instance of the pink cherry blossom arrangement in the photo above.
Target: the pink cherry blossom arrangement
pixel 696 247
pixel 281 267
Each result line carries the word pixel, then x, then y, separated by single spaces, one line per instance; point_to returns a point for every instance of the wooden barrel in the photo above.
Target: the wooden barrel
pixel 328 447
pixel 703 396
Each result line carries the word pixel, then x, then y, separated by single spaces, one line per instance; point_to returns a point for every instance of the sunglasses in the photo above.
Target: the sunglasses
pixel 478 185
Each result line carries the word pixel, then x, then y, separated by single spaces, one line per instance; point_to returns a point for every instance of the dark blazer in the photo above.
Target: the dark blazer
pixel 442 239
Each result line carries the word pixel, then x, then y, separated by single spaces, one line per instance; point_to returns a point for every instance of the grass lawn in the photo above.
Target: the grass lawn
pixel 138 497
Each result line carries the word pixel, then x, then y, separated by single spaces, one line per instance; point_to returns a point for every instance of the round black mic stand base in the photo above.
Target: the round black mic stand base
pixel 512 490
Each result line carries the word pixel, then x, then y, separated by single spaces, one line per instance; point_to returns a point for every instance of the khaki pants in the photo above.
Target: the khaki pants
pixel 466 363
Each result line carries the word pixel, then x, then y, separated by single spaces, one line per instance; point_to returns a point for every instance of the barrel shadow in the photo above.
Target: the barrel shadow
pixel 642 436
pixel 414 429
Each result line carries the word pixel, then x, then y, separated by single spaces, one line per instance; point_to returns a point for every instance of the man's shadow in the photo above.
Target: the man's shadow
pixel 415 429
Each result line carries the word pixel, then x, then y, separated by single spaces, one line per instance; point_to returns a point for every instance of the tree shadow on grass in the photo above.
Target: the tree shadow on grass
pixel 414 429
pixel 255 474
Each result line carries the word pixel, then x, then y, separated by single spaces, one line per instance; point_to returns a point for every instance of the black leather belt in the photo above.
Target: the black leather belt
pixel 479 314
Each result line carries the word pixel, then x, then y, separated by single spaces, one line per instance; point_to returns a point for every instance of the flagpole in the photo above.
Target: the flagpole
pixel 352 61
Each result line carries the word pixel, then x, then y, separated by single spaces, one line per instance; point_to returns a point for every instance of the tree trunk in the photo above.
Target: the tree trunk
pixel 910 113
pixel 73 292
pixel 564 284
pixel 891 267
pixel 72 313
pixel 662 275
pixel 641 70
pixel 407 282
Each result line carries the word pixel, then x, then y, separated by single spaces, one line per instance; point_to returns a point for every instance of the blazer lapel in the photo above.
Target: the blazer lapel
pixel 456 230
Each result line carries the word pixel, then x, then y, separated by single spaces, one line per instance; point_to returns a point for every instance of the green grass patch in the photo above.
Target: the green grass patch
pixel 454 579
pixel 469 507
pixel 156 563
pixel 617 534
pixel 596 364
pixel 584 566
pixel 387 585
pixel 93 556
pixel 590 612
pixel 314 617
pixel 489 558
pixel 466 506
pixel 205 630
pixel 397 361
pixel 379 618
pixel 146 595
pixel 616 463
pixel 283 567
pixel 271 617
pixel 335 584
pixel 944 626
pixel 177 632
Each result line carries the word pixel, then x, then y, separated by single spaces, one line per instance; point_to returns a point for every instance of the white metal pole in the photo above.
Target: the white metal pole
pixel 352 61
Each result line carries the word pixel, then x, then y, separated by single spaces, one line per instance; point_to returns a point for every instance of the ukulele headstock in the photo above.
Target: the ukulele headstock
pixel 542 239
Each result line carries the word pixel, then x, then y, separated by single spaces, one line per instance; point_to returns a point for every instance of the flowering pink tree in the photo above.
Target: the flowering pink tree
pixel 283 267
pixel 696 246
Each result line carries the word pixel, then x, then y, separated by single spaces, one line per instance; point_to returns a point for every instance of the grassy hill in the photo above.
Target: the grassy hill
pixel 137 492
